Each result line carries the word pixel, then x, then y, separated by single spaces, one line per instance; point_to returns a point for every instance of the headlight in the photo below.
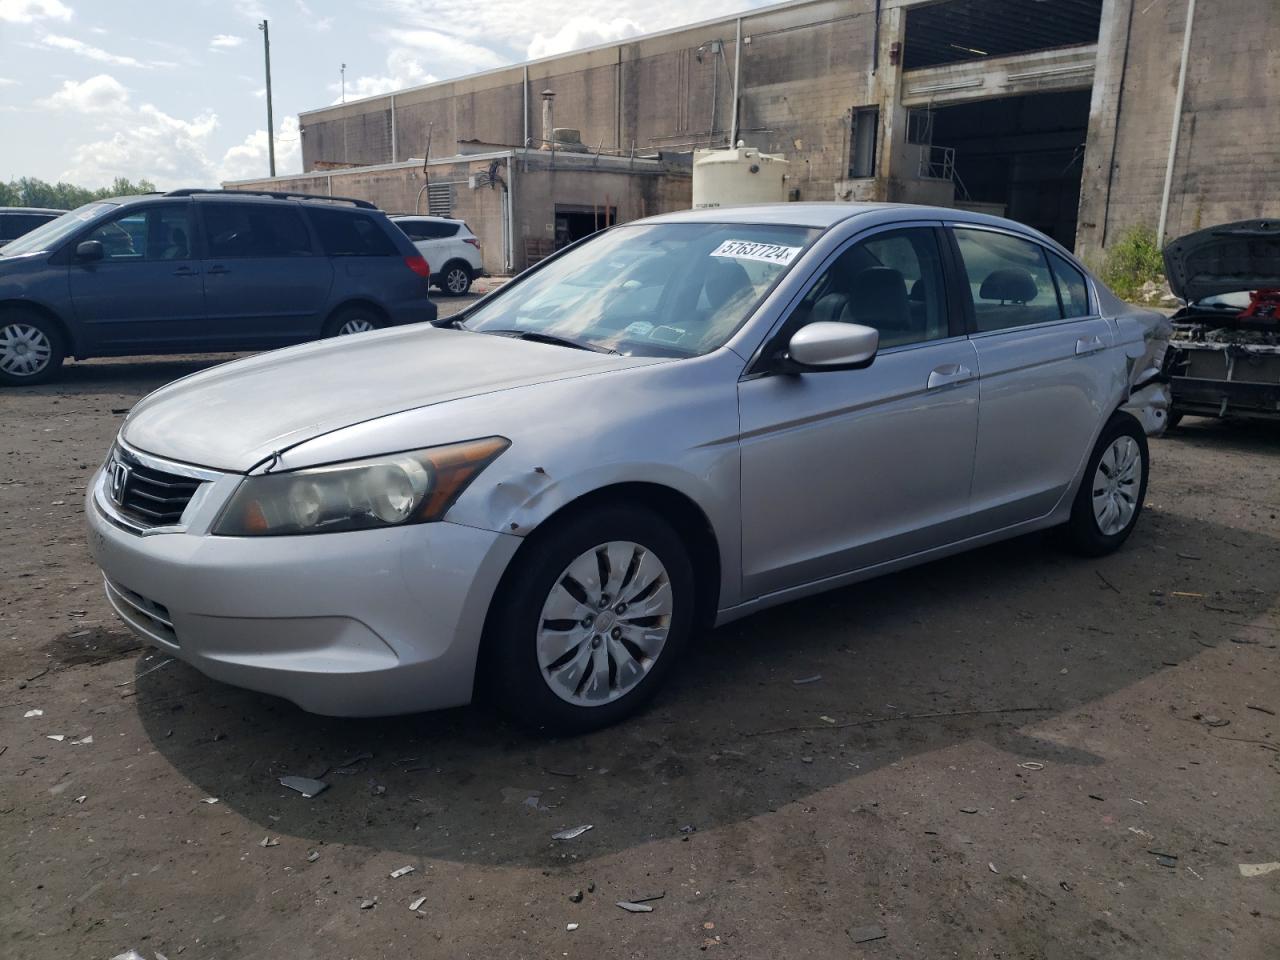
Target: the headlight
pixel 394 490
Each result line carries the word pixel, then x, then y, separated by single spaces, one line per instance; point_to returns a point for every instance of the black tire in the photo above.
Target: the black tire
pixel 510 673
pixel 1174 418
pixel 455 279
pixel 354 314
pixel 1082 532
pixel 26 339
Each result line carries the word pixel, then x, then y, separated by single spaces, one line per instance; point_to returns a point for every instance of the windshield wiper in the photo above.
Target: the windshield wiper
pixel 538 337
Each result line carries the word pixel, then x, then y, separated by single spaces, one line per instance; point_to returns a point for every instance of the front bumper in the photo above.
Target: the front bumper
pixel 366 623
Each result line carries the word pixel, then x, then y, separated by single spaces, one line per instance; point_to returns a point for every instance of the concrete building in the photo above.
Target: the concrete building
pixel 1080 117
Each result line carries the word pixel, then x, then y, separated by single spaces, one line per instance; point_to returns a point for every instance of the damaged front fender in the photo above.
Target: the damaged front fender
pixel 1147 354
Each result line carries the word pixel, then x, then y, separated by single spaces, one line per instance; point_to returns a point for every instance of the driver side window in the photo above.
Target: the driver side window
pixel 152 233
pixel 892 281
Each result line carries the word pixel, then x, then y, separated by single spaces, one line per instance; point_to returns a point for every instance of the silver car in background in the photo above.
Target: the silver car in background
pixel 677 423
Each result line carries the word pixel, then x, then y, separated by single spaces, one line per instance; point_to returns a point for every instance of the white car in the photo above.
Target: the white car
pixel 450 247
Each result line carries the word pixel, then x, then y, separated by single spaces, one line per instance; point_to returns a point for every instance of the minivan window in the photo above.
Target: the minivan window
pixel 344 234
pixel 659 289
pixel 1009 280
pixel 238 230
pixel 14 225
pixel 146 233
pixel 55 231
pixel 1071 287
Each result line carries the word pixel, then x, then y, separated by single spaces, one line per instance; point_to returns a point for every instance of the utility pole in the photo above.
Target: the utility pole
pixel 271 127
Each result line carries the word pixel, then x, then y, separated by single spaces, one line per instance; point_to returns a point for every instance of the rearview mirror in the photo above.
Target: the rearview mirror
pixel 90 250
pixel 834 346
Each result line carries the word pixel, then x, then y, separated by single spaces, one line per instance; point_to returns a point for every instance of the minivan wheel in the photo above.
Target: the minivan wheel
pixel 1111 495
pixel 456 280
pixel 590 620
pixel 31 349
pixel 351 320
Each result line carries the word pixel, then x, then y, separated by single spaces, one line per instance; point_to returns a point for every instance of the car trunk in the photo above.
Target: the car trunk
pixel 1225 351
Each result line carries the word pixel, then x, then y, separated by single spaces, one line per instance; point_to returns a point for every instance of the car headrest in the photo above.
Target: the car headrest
pixel 878 298
pixel 725 281
pixel 1010 284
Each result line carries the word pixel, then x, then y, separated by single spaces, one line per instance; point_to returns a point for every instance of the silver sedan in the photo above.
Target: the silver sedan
pixel 678 423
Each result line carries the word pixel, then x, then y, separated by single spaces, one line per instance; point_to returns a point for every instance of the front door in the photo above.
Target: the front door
pixel 1044 358
pixel 147 292
pixel 843 470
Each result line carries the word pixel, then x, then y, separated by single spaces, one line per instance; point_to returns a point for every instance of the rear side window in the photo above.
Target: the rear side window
pixel 1071 287
pixel 344 234
pixel 427 229
pixel 239 230
pixel 1009 279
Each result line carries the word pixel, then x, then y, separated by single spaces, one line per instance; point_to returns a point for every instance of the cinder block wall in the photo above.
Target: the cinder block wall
pixel 1227 165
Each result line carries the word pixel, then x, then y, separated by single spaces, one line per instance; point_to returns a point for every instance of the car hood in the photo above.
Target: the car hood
pixel 234 416
pixel 1224 259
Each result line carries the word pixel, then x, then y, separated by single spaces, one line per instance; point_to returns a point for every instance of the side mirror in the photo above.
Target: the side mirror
pixel 90 250
pixel 834 346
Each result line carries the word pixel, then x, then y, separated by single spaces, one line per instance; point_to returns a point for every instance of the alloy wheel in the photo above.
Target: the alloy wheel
pixel 1116 483
pixel 604 624
pixel 356 325
pixel 456 281
pixel 24 349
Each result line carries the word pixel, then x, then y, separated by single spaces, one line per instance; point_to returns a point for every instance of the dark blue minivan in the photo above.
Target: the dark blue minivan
pixel 200 271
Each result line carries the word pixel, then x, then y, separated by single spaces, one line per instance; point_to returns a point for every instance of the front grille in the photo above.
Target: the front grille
pixel 151 497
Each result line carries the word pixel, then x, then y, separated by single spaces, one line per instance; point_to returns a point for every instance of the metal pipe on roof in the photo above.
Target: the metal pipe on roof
pixel 394 154
pixel 737 73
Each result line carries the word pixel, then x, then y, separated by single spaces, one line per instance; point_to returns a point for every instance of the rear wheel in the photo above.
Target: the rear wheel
pixel 590 620
pixel 455 279
pixel 353 319
pixel 1111 495
pixel 31 348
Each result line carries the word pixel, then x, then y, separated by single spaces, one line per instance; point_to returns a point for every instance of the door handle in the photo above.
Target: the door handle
pixel 185 272
pixel 947 374
pixel 1090 344
pixel 218 270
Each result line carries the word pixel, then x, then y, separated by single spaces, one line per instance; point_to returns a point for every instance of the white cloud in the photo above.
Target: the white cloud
pixel 448 53
pixel 9 82
pixel 100 94
pixel 28 11
pixel 320 24
pixel 225 41
pixel 404 69
pixel 248 160
pixel 580 32
pixel 56 41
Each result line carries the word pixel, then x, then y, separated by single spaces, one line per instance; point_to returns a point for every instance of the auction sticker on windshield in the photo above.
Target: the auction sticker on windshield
pixel 749 250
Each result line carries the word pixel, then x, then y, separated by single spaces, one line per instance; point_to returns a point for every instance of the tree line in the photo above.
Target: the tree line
pixel 34 192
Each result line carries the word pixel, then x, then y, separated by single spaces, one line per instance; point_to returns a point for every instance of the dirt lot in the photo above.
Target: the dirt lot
pixel 1067 721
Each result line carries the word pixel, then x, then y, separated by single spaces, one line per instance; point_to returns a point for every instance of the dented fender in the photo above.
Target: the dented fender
pixel 1145 336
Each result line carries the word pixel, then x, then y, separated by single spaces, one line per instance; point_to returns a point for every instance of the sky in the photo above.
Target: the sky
pixel 173 92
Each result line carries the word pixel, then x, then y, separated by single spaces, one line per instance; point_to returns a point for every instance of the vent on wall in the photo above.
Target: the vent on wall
pixel 440 199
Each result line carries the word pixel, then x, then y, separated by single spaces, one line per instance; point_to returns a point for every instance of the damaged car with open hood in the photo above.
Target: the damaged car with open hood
pixel 1225 353
pixel 679 422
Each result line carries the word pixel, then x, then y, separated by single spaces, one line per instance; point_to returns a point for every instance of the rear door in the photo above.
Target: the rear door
pixel 435 240
pixel 367 264
pixel 147 292
pixel 266 283
pixel 1044 372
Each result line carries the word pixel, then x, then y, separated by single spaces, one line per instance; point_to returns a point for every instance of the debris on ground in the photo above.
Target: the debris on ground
pixel 1266 710
pixel 304 785
pixel 368 904
pixel 968 809
pixel 129 955
pixel 572 833
pixel 162 663
pixel 209 800
pixel 268 842
pixel 803 680
pixel 867 934
pixel 1165 859
pixel 992 867
pixel 631 907
pixel 313 856
pixel 1258 869
pixel 651 897
pixel 397 874
pixel 576 896
pixel 82 798
pixel 1032 765
pixel 1209 720
pixel 417 904
pixel 33 713
pixel 571 927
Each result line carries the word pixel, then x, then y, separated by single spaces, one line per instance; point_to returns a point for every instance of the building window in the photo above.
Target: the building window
pixel 920 127
pixel 862 143
pixel 440 199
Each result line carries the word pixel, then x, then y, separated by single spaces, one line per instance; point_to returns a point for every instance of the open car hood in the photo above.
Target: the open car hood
pixel 1224 259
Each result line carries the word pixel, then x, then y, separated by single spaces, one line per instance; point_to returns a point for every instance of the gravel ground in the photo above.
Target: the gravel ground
pixel 1013 753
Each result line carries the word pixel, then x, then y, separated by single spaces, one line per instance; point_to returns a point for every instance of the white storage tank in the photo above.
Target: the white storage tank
pixel 725 178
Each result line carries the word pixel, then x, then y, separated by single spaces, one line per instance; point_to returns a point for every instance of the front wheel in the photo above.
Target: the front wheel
pixel 590 620
pixel 456 280
pixel 1111 495
pixel 31 349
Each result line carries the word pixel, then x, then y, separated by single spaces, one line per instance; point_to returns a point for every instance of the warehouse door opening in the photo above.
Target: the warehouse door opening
pixel 573 222
pixel 1020 157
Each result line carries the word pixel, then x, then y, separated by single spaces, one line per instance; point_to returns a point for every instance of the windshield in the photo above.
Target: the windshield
pixel 666 289
pixel 55 231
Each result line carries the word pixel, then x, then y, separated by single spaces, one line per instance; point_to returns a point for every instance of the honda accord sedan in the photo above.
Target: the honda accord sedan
pixel 676 423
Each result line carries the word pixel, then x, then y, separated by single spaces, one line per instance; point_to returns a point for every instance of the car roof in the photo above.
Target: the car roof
pixel 426 216
pixel 52 210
